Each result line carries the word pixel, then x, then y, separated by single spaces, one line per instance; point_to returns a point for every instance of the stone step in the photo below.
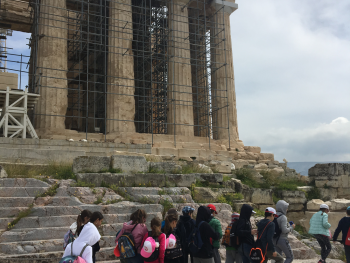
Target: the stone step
pixel 105 254
pixel 36 246
pixel 11 212
pixel 58 201
pixel 124 207
pixel 67 220
pixel 4 222
pixel 22 191
pixel 22 182
pixel 16 201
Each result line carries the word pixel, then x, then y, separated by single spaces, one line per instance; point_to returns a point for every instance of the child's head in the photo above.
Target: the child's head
pixel 138 217
pixel 83 218
pixel 348 211
pixel 324 208
pixel 96 218
pixel 156 225
pixel 270 213
pixel 170 223
pixel 187 211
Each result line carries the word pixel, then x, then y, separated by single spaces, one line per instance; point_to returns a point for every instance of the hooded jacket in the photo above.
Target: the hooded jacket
pixel 244 226
pixel 343 226
pixel 216 225
pixel 184 227
pixel 206 232
pixel 283 224
pixel 319 224
pixel 266 235
pixel 138 233
pixel 90 236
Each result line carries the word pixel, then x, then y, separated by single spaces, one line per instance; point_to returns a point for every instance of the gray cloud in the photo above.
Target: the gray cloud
pixel 292 73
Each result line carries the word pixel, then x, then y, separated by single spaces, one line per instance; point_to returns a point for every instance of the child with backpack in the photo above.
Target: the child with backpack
pixel 344 227
pixel 129 238
pixel 266 230
pixel 184 227
pixel 282 229
pixel 204 252
pixel 82 245
pixel 319 227
pixel 245 232
pixel 76 227
pixel 232 254
pixel 173 251
pixel 96 219
pixel 153 249
pixel 216 225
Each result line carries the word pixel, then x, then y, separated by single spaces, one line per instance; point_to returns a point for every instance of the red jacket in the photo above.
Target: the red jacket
pixel 161 239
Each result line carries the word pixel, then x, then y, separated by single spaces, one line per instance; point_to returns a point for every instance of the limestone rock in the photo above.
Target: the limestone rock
pixel 91 164
pixel 314 204
pixel 240 163
pixel 339 204
pixel 3 173
pixel 205 168
pixel 129 163
pixel 329 170
pixel 300 250
pixel 212 178
pixel 279 171
pixel 203 194
pixel 292 197
pixel 166 167
pixel 258 196
pixel 253 149
pixel 260 166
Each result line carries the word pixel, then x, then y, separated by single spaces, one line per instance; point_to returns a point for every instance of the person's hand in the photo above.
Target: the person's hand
pixel 254 232
pixel 274 254
pixel 293 225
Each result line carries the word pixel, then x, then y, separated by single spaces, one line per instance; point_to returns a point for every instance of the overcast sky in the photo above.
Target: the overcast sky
pixel 292 75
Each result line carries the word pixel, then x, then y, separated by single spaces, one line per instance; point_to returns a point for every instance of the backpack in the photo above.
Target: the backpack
pixel 175 252
pixel 257 253
pixel 195 242
pixel 347 238
pixel 74 259
pixel 155 254
pixel 226 238
pixel 68 238
pixel 278 231
pixel 126 245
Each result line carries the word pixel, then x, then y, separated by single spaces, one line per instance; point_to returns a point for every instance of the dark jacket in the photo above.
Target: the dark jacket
pixel 266 235
pixel 206 232
pixel 185 226
pixel 343 226
pixel 244 226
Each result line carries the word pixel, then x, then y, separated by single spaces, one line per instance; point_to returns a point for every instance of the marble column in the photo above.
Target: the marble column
pixel 180 106
pixel 222 82
pixel 121 85
pixel 53 65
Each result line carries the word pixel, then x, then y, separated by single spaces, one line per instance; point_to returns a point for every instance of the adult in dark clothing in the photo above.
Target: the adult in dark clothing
pixel 344 226
pixel 245 232
pixel 184 227
pixel 206 253
pixel 266 230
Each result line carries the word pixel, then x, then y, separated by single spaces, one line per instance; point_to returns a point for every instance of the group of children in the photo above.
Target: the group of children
pixel 177 239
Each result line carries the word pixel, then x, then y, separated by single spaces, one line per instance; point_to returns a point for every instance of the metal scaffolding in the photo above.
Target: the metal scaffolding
pixel 87 32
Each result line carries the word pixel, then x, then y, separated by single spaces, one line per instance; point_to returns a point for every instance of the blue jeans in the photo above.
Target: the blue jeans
pixel 244 250
pixel 137 259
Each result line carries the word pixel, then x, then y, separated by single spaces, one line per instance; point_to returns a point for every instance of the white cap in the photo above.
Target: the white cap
pixel 271 210
pixel 324 206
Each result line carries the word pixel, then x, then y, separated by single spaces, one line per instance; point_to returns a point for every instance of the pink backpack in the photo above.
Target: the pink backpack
pixel 74 259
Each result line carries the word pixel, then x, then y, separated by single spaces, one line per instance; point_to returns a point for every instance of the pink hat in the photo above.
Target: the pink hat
pixel 170 242
pixel 148 247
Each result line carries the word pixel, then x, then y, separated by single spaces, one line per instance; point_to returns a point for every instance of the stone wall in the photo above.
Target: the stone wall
pixel 332 179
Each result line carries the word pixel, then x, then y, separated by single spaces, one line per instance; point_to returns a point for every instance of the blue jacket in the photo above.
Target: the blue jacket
pixel 319 224
pixel 343 226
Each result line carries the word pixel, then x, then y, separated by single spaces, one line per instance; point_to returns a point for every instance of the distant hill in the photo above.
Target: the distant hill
pixel 303 167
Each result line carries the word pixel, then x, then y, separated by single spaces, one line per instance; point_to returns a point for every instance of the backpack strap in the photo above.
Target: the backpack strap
pixel 264 230
pixel 133 228
pixel 71 249
pixel 82 251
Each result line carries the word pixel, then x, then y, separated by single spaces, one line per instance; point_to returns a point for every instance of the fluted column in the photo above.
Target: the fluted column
pixel 223 85
pixel 120 88
pixel 52 65
pixel 180 106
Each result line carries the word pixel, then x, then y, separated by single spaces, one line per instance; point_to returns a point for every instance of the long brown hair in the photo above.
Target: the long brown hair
pixel 138 217
pixel 323 210
pixel 155 224
pixel 81 218
pixel 168 220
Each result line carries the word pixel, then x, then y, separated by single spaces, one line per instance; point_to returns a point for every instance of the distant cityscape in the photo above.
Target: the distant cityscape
pixel 303 167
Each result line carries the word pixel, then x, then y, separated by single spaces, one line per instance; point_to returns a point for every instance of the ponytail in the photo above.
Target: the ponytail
pixel 81 218
pixel 168 220
pixel 155 223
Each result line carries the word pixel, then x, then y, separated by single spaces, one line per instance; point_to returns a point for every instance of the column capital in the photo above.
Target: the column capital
pixel 228 6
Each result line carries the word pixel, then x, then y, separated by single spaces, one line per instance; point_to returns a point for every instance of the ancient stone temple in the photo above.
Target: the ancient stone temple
pixel 131 71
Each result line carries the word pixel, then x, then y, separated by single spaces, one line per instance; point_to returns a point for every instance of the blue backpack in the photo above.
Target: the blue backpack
pixel 195 242
pixel 72 258
pixel 126 245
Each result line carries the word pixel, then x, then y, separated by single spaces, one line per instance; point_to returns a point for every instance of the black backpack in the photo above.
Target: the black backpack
pixel 278 231
pixel 155 254
pixel 175 252
pixel 258 252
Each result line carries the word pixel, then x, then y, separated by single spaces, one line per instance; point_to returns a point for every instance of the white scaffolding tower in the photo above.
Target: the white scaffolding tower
pixel 14 120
